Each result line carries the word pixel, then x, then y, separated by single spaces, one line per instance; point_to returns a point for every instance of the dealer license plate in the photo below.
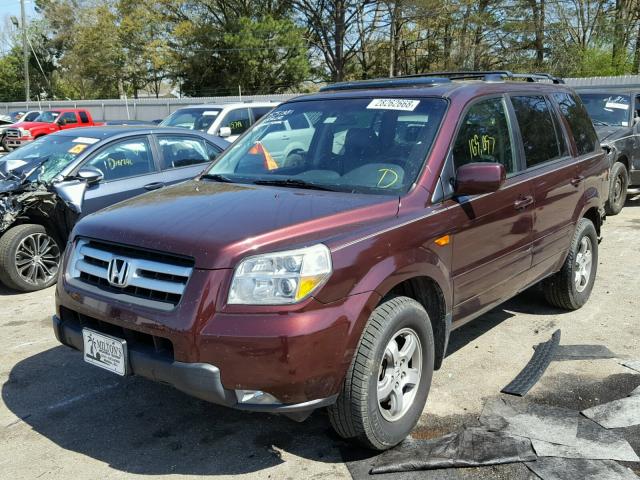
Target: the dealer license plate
pixel 105 351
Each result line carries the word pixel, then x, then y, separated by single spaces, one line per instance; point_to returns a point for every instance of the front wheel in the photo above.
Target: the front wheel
pixel 617 189
pixel 29 258
pixel 570 288
pixel 388 382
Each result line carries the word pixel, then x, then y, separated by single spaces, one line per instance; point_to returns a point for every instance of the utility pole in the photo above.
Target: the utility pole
pixel 25 52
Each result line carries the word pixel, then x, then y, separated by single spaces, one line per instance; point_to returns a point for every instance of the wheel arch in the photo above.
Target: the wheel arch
pixel 428 292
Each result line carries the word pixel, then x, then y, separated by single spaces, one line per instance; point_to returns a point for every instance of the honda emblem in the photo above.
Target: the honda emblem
pixel 118 272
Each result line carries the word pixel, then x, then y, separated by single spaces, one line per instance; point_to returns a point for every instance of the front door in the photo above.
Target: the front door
pixel 129 169
pixel 492 244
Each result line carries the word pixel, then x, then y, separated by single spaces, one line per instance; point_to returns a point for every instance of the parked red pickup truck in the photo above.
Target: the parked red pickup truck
pixel 49 121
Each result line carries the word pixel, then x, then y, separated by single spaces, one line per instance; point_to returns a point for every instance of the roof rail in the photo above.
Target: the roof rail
pixel 425 79
pixel 491 75
pixel 408 81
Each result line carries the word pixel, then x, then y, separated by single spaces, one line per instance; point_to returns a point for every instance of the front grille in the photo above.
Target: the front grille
pixel 150 276
pixel 135 340
pixel 12 133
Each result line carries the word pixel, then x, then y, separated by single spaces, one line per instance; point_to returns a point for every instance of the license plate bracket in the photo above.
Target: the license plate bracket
pixel 105 351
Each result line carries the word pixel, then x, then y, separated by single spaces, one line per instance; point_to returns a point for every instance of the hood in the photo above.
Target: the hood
pixel 218 223
pixel 605 132
pixel 28 125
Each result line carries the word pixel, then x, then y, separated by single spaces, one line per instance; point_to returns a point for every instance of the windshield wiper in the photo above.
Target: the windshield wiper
pixel 294 183
pixel 600 122
pixel 217 177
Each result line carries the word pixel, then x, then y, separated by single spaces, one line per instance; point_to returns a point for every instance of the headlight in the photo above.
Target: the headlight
pixel 280 278
pixel 25 133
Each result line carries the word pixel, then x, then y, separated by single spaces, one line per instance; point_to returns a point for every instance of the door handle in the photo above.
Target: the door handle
pixel 154 186
pixel 285 137
pixel 523 202
pixel 575 181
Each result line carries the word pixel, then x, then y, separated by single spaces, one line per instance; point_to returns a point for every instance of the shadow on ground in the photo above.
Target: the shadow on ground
pixel 140 427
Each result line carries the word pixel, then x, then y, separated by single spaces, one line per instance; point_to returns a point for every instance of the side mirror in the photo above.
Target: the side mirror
pixel 90 175
pixel 62 122
pixel 478 178
pixel 224 132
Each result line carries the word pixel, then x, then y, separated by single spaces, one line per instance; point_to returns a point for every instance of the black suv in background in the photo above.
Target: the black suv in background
pixel 615 113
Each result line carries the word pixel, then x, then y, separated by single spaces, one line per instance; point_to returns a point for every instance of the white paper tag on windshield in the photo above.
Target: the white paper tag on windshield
pixel 619 106
pixel 393 104
pixel 210 113
pixel 87 140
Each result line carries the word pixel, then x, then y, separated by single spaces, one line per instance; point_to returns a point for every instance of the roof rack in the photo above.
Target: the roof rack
pixel 407 81
pixel 491 75
pixel 434 78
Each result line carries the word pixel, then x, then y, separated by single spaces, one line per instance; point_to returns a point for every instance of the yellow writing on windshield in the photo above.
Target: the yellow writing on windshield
pixel 388 177
pixel 481 145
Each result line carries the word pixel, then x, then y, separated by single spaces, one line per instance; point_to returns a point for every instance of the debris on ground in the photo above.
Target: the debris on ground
pixel 632 364
pixel 532 372
pixel 552 468
pixel 617 414
pixel 530 420
pixel 593 442
pixel 470 447
pixel 582 352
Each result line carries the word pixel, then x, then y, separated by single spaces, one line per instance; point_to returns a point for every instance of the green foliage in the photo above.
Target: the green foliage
pixel 11 85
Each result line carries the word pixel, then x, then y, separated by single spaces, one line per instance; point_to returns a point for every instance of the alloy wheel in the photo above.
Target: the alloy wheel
pixel 583 264
pixel 37 258
pixel 399 374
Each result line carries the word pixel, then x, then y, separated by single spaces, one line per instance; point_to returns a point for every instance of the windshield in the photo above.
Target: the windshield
pixel 607 109
pixel 356 145
pixel 192 118
pixel 47 117
pixel 55 153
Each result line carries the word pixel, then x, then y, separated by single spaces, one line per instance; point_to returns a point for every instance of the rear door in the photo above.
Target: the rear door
pixel 129 169
pixel 492 243
pixel 557 186
pixel 184 156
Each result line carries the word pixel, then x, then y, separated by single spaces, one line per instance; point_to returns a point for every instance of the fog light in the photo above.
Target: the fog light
pixel 256 397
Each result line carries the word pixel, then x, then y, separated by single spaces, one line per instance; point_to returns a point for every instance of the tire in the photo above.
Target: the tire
pixel 561 289
pixel 617 188
pixel 21 244
pixel 358 414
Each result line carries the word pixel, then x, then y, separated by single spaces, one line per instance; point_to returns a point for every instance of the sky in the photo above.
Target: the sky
pixel 12 7
pixel 7 9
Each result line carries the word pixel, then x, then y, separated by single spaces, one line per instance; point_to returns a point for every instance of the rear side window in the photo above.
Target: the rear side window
pixel 581 126
pixel 84 118
pixel 259 112
pixel 178 151
pixel 484 136
pixel 541 136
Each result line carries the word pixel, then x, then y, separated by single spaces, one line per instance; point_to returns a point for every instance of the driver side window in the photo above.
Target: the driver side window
pixel 128 158
pixel 484 136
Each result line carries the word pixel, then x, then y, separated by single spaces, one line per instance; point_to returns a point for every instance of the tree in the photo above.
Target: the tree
pixel 11 77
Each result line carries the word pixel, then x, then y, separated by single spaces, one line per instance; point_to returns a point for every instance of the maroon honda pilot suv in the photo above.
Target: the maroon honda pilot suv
pixel 326 257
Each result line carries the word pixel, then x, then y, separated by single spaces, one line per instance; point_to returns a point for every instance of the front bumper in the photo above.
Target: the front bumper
pixel 200 380
pixel 13 142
